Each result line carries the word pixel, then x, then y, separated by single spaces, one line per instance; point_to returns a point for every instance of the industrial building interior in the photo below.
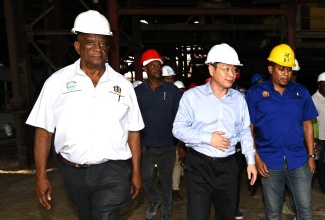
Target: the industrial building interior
pixel 37 41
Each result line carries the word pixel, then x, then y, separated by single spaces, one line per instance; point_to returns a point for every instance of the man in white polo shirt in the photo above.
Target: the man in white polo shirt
pixel 319 101
pixel 94 113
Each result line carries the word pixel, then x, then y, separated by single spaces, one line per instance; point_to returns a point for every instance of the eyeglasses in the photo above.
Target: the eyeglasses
pixel 226 71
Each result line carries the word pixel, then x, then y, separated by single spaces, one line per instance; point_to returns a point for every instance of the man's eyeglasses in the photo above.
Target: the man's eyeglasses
pixel 234 70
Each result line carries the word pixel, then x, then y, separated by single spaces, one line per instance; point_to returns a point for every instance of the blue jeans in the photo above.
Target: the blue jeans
pixel 298 181
pixel 164 157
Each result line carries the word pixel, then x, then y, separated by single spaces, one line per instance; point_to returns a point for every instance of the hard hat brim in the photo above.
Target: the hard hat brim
pixel 235 64
pixel 150 60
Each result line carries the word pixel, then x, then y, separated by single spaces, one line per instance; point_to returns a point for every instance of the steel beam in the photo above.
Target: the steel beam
pixel 202 11
pixel 216 27
pixel 17 105
pixel 115 45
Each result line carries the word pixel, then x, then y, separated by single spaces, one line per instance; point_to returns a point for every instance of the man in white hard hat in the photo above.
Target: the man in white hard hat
pixel 168 74
pixel 96 118
pixel 158 101
pixel 319 101
pixel 295 71
pixel 180 85
pixel 211 119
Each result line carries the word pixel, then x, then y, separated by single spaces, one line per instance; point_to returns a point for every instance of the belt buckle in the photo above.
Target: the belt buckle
pixel 81 165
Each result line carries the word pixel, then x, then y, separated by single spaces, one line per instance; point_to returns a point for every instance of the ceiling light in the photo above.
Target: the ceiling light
pixel 144 21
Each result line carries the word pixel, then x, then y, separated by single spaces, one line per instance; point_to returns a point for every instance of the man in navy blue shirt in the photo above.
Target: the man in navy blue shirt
pixel 281 112
pixel 158 102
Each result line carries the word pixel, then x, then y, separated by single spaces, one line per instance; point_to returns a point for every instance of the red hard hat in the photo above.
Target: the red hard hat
pixel 151 55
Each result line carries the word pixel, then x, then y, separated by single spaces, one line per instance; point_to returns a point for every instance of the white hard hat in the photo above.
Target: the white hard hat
pixel 91 22
pixel 168 71
pixel 223 53
pixel 179 84
pixel 297 68
pixel 321 77
pixel 136 83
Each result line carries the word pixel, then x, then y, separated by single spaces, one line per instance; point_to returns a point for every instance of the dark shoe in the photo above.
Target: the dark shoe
pixel 152 210
pixel 177 196
pixel 238 214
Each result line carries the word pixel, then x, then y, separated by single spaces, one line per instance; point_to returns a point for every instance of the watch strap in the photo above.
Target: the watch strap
pixel 311 156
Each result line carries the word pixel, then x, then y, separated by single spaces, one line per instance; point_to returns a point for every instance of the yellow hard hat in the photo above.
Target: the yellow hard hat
pixel 283 55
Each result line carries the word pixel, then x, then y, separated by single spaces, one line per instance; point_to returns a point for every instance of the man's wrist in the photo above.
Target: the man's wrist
pixel 311 156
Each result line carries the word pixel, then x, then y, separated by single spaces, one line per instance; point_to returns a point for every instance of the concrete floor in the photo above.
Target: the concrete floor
pixel 18 200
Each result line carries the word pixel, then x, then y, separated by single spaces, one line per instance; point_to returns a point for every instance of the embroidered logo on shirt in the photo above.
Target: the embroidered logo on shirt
pixel 265 94
pixel 71 85
pixel 117 91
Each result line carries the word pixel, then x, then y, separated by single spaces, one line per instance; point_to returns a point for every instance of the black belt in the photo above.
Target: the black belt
pixel 208 158
pixel 66 162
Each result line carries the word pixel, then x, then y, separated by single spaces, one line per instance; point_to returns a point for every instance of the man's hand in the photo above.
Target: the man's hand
pixel 136 185
pixel 251 173
pixel 261 166
pixel 43 191
pixel 135 147
pixel 312 165
pixel 42 146
pixel 219 142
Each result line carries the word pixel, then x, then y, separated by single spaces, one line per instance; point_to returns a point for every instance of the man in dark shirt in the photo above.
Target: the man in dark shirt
pixel 158 102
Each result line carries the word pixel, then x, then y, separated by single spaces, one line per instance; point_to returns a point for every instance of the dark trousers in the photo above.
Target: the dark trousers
pixel 240 160
pixel 320 165
pixel 211 178
pixel 99 191
pixel 164 157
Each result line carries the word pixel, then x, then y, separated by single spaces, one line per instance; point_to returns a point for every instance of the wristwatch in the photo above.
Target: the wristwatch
pixel 311 156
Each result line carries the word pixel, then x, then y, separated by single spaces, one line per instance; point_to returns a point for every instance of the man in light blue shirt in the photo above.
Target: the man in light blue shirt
pixel 211 119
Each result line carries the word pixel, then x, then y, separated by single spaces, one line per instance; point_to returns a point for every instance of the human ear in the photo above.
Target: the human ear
pixel 211 70
pixel 76 45
pixel 270 69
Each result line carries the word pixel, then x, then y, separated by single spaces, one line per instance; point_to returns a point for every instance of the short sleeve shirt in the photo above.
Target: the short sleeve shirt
pixel 319 101
pixel 278 122
pixel 91 124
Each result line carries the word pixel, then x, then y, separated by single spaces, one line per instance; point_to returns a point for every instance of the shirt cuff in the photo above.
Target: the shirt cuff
pixel 206 137
pixel 250 159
